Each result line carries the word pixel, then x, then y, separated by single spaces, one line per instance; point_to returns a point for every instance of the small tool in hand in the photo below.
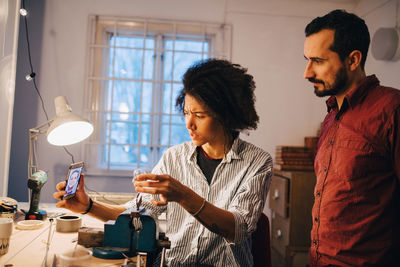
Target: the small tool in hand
pixel 138 201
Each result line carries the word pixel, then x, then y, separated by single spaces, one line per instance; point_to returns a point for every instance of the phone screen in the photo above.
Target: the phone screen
pixel 73 177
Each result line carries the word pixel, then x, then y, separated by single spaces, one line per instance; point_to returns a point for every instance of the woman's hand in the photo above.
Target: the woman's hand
pixel 79 203
pixel 168 188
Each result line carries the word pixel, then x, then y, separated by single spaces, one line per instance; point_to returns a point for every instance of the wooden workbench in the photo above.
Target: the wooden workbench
pixel 28 247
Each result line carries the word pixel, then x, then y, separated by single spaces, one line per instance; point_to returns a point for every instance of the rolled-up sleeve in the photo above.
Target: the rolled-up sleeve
pixel 249 202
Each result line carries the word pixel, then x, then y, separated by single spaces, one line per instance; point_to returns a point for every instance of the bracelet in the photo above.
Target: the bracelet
pixel 90 206
pixel 201 208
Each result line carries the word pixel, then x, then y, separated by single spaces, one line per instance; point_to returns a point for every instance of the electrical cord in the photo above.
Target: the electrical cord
pixel 101 195
pixel 49 238
pixel 27 244
pixel 32 75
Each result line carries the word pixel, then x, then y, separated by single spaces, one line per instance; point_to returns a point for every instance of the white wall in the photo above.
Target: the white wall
pixel 381 14
pixel 8 61
pixel 268 39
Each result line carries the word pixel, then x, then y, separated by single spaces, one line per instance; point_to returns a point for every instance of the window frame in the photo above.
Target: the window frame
pixel 219 34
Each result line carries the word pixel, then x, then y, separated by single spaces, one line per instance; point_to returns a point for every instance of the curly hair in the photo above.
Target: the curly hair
pixel 226 90
pixel 351 33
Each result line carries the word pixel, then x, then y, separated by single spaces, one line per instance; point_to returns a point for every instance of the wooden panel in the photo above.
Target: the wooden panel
pixel 280 233
pixel 296 256
pixel 278 201
pixel 301 202
pixel 290 233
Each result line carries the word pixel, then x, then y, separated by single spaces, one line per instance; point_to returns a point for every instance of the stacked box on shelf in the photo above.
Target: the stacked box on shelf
pixel 293 158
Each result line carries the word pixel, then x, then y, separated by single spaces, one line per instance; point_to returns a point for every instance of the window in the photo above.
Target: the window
pixel 135 67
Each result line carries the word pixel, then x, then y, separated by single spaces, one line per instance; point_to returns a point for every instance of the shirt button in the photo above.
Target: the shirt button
pixel 331 142
pixel 316 219
pixel 315 242
pixel 318 194
pixel 325 169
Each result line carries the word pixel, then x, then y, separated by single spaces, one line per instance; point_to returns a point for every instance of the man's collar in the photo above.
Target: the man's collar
pixel 357 95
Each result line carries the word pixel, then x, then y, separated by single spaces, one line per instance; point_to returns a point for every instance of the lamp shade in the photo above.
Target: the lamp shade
pixel 67 128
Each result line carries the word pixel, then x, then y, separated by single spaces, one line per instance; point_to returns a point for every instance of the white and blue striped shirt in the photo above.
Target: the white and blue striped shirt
pixel 240 185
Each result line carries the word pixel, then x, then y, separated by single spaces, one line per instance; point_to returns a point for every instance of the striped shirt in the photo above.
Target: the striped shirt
pixel 239 185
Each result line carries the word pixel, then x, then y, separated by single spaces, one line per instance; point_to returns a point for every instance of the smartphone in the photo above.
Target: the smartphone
pixel 73 177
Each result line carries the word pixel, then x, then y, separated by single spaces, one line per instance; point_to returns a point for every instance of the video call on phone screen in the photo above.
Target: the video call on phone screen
pixel 73 180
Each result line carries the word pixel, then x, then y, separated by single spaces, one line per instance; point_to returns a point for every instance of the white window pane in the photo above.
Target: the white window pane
pixel 177 87
pixel 178 119
pixel 127 93
pixel 147 96
pixel 182 61
pixel 168 68
pixel 165 132
pixel 166 119
pixel 150 43
pixel 146 118
pixel 167 101
pixel 122 154
pixel 148 72
pixel 127 63
pixel 179 134
pixel 187 45
pixel 122 133
pixel 144 156
pixel 145 134
pixel 128 41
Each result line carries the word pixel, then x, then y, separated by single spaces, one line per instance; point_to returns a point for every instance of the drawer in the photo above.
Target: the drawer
pixel 279 233
pixel 278 198
pixel 296 256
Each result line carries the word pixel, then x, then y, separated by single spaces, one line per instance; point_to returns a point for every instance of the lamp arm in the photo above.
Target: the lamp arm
pixel 33 134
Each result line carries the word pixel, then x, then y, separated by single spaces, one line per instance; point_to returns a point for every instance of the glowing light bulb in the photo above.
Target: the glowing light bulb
pixel 23 12
pixel 30 76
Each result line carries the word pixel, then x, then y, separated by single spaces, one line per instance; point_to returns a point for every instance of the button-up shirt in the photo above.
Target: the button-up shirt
pixel 240 184
pixel 356 213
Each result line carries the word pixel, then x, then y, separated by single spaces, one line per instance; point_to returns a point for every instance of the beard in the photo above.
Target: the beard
pixel 338 86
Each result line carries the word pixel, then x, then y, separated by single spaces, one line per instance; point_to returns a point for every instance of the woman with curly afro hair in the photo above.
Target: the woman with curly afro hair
pixel 212 188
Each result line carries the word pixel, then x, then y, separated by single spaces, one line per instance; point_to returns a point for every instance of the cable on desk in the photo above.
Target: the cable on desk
pixel 101 195
pixel 27 245
pixel 49 238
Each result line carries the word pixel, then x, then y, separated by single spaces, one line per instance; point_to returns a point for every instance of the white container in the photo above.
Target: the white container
pixel 6 225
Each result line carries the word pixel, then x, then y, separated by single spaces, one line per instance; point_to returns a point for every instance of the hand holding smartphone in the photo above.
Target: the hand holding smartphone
pixel 73 177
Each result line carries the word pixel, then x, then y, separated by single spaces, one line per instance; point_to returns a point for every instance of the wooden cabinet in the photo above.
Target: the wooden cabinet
pixel 291 199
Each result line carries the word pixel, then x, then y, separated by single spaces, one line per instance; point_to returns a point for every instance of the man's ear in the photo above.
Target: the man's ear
pixel 354 60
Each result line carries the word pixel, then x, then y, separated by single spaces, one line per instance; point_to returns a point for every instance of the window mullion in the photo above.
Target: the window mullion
pixel 157 98
pixel 108 142
pixel 172 85
pixel 140 131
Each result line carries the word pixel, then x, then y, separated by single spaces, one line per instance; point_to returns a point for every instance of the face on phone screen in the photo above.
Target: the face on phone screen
pixel 73 180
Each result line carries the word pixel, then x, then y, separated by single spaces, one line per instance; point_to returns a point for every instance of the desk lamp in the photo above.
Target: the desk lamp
pixel 65 129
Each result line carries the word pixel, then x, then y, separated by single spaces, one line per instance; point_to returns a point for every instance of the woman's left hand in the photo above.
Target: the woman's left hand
pixel 168 188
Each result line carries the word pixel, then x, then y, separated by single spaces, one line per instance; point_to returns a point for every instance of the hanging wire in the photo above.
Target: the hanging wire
pixel 32 75
pixel 69 153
